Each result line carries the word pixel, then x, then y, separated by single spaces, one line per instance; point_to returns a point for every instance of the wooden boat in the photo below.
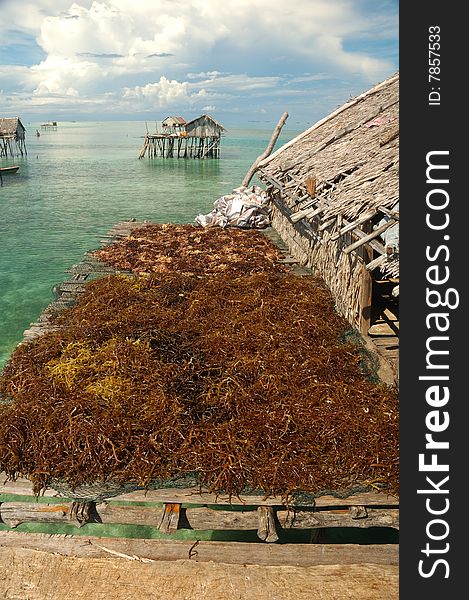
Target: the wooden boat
pixel 5 170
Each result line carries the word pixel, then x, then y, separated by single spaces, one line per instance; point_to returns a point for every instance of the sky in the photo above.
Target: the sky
pixel 244 62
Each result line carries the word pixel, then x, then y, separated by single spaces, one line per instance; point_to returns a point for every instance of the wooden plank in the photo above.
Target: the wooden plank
pixel 350 226
pixel 307 213
pixel 13 513
pixel 366 293
pixel 193 495
pixel 226 552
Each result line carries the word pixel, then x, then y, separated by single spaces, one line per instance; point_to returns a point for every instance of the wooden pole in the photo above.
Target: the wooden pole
pixel 381 229
pixel 249 175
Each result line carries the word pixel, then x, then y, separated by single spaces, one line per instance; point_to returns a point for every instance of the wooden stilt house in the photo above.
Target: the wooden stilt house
pixel 335 192
pixel 207 134
pixel 12 137
pixel 199 138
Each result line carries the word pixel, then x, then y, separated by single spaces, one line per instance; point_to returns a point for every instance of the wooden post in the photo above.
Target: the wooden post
pixel 270 146
pixel 170 517
pixel 267 530
pixel 366 295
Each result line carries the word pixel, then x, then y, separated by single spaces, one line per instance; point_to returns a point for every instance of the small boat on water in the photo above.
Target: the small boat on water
pixel 5 170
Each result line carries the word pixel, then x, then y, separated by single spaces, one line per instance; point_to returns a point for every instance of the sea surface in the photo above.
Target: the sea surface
pixel 77 182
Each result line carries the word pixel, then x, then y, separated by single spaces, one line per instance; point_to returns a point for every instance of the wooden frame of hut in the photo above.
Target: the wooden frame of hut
pixel 12 137
pixel 206 133
pixel 199 138
pixel 174 124
pixel 334 191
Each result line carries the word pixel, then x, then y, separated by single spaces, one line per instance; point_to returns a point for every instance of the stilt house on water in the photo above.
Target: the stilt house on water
pixel 335 202
pixel 174 124
pixel 12 137
pixel 50 125
pixel 199 138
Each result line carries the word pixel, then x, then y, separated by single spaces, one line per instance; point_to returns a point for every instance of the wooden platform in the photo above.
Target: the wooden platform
pixel 174 544
pixel 39 567
pixel 172 540
pixel 171 509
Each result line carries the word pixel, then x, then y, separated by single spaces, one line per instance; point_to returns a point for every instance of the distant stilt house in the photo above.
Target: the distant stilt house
pixel 12 137
pixel 199 138
pixel 206 132
pixel 50 125
pixel 174 125
pixel 334 192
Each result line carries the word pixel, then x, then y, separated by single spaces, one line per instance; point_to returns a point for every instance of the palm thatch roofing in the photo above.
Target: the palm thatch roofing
pixel 11 127
pixel 345 169
pixel 205 122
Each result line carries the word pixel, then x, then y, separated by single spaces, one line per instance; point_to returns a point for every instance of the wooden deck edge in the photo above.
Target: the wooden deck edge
pixel 23 486
pixel 204 551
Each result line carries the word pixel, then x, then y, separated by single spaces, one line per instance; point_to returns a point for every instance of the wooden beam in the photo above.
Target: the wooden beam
pixel 351 226
pixel 196 495
pixel 243 553
pixel 264 519
pixel 368 237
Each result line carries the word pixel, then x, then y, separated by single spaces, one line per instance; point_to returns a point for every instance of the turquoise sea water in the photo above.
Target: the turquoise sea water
pixel 77 182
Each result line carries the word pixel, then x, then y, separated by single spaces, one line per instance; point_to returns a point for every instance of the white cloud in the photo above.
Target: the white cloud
pixel 164 51
pixel 162 90
pixel 205 75
pixel 239 83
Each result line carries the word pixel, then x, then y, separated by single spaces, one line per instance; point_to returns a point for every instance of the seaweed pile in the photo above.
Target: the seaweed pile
pixel 245 380
pixel 192 250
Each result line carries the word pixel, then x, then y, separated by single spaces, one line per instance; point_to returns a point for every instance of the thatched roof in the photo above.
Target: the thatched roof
pixel 9 126
pixel 204 119
pixel 347 163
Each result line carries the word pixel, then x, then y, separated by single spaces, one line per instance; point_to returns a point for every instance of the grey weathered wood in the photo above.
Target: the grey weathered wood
pixel 170 518
pixel 202 518
pixel 372 242
pixel 195 495
pixel 267 530
pixel 345 518
pixel 15 513
pixel 370 236
pixel 223 552
pixel 307 213
pixel 327 223
pixel 362 219
pixel 270 146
